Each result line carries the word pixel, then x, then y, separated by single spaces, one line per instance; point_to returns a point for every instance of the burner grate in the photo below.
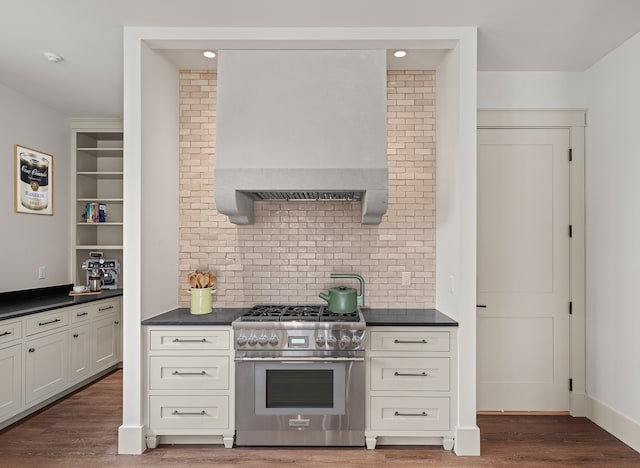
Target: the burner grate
pixel 295 313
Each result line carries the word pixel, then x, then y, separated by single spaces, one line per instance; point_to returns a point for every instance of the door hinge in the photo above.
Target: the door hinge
pixel 571 385
pixel 570 154
pixel 570 307
pixel 570 230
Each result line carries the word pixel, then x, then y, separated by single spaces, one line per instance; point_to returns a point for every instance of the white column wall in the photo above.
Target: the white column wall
pixel 612 233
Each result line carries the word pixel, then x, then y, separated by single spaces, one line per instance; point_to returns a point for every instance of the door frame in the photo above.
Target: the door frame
pixel 575 121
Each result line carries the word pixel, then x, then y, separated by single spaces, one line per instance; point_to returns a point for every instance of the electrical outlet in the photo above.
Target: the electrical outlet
pixel 42 272
pixel 406 278
pixel 452 284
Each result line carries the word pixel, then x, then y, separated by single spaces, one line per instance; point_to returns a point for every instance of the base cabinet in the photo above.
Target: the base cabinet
pixel 44 355
pixel 46 366
pixel 80 356
pixel 411 385
pixel 189 385
pixel 11 381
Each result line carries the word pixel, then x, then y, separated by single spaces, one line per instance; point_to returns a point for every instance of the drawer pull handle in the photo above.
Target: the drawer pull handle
pixel 182 413
pixel 401 374
pixel 189 373
pixel 116 323
pixel 7 333
pixel 423 414
pixel 82 314
pixel 178 340
pixel 105 308
pixel 75 335
pixel 41 324
pixel 410 341
pixel 31 350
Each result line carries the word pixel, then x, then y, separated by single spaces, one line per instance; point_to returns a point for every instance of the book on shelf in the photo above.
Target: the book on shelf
pixel 95 212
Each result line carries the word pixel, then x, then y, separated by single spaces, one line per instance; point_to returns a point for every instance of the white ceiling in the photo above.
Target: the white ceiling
pixel 513 35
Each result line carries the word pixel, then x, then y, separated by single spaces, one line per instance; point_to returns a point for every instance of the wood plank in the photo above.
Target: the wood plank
pixel 82 430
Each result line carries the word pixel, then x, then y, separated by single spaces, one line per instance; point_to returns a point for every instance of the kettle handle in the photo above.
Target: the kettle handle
pixel 360 298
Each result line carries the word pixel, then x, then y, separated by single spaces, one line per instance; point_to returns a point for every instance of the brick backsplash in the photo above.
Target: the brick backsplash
pixel 287 255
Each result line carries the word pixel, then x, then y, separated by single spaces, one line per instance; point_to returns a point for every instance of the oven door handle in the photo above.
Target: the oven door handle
pixel 305 360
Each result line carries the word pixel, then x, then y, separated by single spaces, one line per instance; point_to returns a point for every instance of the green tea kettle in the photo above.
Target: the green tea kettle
pixel 343 300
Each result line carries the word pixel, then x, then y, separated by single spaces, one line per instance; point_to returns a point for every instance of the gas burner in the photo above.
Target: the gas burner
pixel 296 313
pixel 333 317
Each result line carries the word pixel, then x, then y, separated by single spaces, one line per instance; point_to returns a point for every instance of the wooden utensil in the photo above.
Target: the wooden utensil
pixel 192 280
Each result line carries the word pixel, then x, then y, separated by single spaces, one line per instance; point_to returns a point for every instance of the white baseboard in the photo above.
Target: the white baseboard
pixel 467 441
pixel 131 440
pixel 614 422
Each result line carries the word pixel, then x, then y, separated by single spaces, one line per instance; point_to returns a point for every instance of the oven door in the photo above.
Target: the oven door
pixel 300 402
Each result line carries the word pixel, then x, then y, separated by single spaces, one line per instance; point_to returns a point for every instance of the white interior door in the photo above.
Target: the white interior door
pixel 523 270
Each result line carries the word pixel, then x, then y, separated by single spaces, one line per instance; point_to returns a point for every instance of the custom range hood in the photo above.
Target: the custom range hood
pixel 301 125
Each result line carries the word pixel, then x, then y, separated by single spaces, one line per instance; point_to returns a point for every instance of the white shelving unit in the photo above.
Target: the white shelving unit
pixel 97 165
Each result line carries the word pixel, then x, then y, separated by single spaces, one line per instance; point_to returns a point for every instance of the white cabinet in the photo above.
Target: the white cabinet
pixel 80 352
pixel 46 365
pixel 97 146
pixel 411 385
pixel 189 385
pixel 96 340
pixel 11 381
pixel 47 354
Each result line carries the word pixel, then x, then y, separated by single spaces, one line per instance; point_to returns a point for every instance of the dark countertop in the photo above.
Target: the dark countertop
pixel 32 301
pixel 182 316
pixel 407 317
pixel 373 317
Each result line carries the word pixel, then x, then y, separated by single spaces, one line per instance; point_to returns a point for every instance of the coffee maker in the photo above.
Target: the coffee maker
pixel 106 269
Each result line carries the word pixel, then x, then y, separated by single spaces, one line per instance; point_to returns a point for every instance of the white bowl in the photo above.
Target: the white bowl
pixel 79 289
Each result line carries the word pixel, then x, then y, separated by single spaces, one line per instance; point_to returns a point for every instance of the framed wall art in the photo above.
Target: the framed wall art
pixel 33 180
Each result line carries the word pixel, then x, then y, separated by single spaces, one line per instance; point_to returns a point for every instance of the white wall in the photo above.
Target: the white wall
pixel 456 202
pixel 160 174
pixel 531 90
pixel 30 241
pixel 613 230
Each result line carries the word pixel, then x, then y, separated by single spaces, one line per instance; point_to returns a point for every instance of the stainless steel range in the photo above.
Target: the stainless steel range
pixel 299 376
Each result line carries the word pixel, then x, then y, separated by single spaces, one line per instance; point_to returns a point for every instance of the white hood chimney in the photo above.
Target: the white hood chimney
pixel 301 124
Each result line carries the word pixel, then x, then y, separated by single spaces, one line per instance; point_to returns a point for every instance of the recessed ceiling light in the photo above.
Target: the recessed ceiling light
pixel 209 53
pixel 51 57
pixel 400 53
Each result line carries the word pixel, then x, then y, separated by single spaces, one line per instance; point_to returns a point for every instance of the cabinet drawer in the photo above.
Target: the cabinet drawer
pixel 189 372
pixel 410 414
pixel 186 340
pixel 418 340
pixel 189 412
pixel 429 374
pixel 10 331
pixel 106 307
pixel 48 321
pixel 81 315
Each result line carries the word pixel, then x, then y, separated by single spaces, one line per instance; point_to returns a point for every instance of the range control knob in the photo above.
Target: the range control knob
pixel 345 341
pixel 331 340
pixel 264 339
pixel 356 341
pixel 242 340
pixel 253 340
pixel 320 340
pixel 273 341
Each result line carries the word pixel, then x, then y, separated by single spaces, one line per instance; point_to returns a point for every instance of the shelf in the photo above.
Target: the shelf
pixel 98 178
pixel 106 223
pixel 102 152
pixel 100 200
pixel 102 175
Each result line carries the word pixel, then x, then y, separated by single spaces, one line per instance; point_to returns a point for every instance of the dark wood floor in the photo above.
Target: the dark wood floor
pixel 81 431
